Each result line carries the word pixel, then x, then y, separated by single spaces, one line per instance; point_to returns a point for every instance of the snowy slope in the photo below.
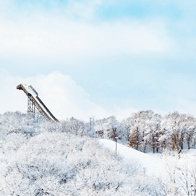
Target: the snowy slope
pixel 152 165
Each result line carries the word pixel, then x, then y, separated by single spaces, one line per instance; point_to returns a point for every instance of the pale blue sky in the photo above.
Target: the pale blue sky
pixel 130 54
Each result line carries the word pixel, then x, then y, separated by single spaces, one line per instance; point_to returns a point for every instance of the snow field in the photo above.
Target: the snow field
pixel 151 165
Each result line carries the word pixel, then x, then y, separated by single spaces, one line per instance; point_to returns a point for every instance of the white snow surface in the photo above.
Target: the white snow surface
pixel 150 164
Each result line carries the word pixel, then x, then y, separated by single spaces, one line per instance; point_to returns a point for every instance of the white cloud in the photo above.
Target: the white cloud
pixel 56 37
pixel 59 92
pixel 66 39
pixel 83 9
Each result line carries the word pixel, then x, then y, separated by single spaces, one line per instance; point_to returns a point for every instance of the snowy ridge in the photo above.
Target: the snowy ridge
pixel 58 159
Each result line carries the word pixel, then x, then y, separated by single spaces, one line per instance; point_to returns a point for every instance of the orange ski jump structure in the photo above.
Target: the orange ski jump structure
pixel 34 102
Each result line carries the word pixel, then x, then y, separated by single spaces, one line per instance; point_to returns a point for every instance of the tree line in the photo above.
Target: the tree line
pixel 147 131
pixel 144 130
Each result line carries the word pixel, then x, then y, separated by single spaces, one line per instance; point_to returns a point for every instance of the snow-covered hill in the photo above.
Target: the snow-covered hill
pixel 43 158
pixel 63 164
pixel 150 164
pixel 175 170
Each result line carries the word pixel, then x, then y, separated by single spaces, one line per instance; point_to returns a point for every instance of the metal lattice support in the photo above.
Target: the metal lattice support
pixel 31 107
pixel 35 106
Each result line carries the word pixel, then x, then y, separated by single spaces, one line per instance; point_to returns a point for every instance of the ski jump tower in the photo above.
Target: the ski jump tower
pixel 34 102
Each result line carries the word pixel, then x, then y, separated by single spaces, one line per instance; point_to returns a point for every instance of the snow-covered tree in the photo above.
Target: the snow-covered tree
pixel 175 125
pixel 138 131
pixel 107 127
pixel 153 131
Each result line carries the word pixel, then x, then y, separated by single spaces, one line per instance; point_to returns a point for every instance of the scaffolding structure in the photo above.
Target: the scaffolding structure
pixel 35 104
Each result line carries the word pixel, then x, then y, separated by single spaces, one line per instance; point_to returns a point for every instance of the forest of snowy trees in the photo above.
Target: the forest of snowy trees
pixel 145 130
pixel 150 132
pixel 38 157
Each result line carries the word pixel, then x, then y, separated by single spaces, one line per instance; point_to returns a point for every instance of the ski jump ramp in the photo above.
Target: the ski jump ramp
pixel 34 102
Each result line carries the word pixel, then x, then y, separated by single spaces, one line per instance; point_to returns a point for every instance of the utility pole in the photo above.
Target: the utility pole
pixel 116 144
pixel 90 124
